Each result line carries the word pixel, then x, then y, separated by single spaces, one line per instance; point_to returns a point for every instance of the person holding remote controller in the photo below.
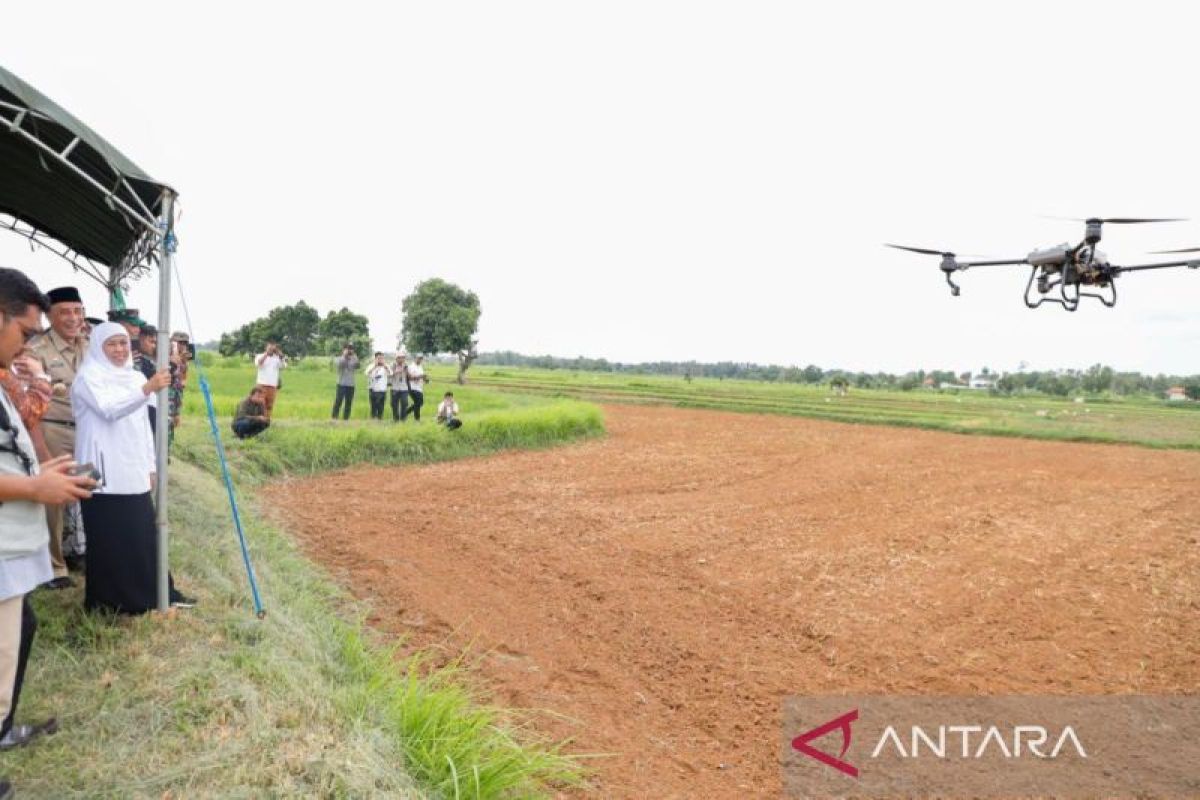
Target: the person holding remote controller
pixel 112 436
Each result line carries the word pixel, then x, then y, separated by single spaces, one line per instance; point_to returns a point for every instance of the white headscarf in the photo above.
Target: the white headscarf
pixel 102 377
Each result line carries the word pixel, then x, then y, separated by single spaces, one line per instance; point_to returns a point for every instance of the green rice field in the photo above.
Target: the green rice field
pixel 1144 421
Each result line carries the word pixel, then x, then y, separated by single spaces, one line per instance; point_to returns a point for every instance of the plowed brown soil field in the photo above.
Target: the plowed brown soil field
pixel 663 588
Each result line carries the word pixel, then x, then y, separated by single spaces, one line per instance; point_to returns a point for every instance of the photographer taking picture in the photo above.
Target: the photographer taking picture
pixel 347 367
pixel 270 363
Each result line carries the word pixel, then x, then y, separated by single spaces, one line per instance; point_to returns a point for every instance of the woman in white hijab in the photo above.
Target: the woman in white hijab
pixel 112 431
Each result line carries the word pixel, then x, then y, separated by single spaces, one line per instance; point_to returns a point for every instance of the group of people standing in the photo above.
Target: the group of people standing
pixel 74 428
pixel 405 381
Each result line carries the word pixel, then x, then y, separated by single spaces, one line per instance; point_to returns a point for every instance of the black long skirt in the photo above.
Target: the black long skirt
pixel 122 555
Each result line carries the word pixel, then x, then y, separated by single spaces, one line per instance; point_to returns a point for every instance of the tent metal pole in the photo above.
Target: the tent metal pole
pixel 162 418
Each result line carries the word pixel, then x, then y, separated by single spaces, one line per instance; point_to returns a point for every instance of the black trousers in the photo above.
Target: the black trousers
pixel 345 393
pixel 418 400
pixel 28 630
pixel 399 405
pixel 377 401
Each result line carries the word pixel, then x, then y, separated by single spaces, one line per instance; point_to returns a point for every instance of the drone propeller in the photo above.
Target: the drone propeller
pixel 1121 220
pixel 927 252
pixel 1168 252
pixel 922 250
pixel 1136 221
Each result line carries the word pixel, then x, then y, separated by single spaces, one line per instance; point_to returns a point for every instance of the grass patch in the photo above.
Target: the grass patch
pixel 305 448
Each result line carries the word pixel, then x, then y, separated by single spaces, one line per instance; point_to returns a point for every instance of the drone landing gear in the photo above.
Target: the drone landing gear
pixel 1069 291
pixel 1044 286
pixel 954 290
pixel 1110 300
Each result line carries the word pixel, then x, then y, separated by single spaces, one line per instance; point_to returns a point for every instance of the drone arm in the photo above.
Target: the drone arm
pixel 966 264
pixel 1192 264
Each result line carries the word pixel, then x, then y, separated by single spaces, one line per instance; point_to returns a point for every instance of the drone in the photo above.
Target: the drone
pixel 1066 268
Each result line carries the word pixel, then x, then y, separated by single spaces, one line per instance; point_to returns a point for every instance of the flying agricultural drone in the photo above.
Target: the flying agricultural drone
pixel 1066 267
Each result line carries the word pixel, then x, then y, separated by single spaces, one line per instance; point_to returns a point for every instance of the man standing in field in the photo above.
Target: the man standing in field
pixel 416 386
pixel 60 349
pixel 269 362
pixel 347 367
pixel 399 388
pixel 379 375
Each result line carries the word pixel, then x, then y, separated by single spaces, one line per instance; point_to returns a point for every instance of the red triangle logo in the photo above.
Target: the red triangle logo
pixel 801 743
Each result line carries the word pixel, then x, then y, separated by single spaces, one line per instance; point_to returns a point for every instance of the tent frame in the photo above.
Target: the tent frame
pixel 153 245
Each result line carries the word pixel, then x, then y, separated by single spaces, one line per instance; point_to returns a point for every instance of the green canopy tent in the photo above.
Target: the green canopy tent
pixel 66 189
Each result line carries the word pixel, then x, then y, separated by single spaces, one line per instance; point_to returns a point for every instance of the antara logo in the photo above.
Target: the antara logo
pixel 1035 738
pixel 801 743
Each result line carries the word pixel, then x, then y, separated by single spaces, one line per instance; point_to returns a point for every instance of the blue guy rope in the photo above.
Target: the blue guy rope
pixel 237 517
pixel 259 611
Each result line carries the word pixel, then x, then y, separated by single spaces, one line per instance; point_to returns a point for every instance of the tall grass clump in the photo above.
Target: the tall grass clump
pixel 306 448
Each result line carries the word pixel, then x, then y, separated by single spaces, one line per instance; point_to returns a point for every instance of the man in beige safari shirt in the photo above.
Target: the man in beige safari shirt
pixel 61 350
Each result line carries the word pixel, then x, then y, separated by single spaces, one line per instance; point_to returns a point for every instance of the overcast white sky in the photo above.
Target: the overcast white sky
pixel 654 180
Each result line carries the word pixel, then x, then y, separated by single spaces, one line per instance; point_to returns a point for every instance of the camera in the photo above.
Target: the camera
pixel 87 470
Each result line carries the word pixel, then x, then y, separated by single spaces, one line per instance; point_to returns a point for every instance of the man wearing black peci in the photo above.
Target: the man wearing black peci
pixel 61 350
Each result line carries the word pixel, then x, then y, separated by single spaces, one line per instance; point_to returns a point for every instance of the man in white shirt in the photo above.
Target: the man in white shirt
pixel 416 386
pixel 378 375
pixel 270 362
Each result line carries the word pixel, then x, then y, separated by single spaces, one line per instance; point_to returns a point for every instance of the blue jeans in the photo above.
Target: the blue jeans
pixel 246 428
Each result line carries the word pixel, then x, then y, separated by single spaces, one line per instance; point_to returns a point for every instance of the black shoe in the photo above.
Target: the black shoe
pixel 76 563
pixel 21 735
pixel 181 600
pixel 6 790
pixel 61 582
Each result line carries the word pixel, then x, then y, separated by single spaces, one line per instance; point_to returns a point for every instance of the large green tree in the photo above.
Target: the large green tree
pixel 294 328
pixel 340 327
pixel 440 317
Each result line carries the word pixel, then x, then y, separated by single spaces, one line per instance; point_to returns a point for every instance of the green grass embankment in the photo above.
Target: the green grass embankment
pixel 306 703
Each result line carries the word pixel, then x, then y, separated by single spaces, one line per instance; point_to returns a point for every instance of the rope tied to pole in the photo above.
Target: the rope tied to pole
pixel 206 390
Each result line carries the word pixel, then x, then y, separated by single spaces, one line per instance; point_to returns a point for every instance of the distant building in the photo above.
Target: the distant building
pixel 980 382
pixel 1176 393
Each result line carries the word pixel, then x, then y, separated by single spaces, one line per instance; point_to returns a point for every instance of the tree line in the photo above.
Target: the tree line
pixel 438 317
pixel 1097 379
